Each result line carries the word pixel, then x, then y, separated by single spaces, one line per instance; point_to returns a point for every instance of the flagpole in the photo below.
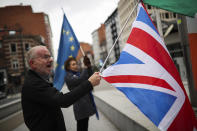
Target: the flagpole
pixel 79 43
pixel 118 36
pixel 82 50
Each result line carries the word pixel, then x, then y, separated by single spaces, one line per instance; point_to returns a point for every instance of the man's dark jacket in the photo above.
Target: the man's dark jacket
pixel 42 103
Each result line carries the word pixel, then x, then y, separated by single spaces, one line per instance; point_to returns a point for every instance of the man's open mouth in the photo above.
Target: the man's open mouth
pixel 49 65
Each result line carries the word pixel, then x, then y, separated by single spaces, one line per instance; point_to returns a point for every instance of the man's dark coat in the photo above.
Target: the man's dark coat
pixel 41 103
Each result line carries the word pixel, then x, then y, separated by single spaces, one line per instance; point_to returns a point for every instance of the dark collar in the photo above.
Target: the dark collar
pixel 43 77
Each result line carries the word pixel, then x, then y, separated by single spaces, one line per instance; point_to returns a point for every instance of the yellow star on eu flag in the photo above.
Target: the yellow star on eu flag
pixel 56 64
pixel 63 67
pixel 67 32
pixel 70 56
pixel 64 31
pixel 71 39
pixel 72 47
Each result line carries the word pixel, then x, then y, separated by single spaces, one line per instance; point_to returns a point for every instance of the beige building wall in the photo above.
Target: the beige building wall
pixel 164 15
pixel 96 48
pixel 126 6
pixel 124 9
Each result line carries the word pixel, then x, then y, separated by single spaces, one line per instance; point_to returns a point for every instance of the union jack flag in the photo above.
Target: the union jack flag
pixel 146 74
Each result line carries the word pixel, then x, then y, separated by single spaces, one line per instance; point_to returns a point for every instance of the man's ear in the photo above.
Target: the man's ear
pixel 31 63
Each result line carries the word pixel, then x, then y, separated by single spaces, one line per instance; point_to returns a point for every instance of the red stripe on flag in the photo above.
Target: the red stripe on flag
pixel 185 120
pixel 139 79
pixel 149 45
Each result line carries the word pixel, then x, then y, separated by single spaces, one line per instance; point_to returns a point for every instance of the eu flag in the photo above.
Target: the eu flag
pixel 68 47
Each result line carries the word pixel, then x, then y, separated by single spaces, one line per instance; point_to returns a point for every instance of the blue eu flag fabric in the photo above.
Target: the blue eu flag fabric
pixel 68 47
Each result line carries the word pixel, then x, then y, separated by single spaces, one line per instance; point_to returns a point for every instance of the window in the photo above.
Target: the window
pixel 3 79
pixel 149 7
pixel 12 32
pixel 0 44
pixel 26 46
pixel 46 19
pixel 167 15
pixel 174 14
pixel 13 48
pixel 15 64
pixel 114 34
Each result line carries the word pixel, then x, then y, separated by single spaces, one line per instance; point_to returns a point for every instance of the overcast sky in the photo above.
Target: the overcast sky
pixel 85 16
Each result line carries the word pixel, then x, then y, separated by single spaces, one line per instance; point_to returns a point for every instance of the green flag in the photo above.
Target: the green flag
pixel 185 7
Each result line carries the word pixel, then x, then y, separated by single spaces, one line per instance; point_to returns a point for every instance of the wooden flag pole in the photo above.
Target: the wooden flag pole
pixel 118 37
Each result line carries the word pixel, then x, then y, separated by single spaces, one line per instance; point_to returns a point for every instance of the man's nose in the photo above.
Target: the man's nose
pixel 51 59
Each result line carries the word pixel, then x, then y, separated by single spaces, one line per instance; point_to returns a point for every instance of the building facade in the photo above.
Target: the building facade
pixel 15 17
pixel 112 30
pixel 20 29
pixel 99 46
pixel 96 48
pixel 165 16
pixel 124 9
pixel 14 63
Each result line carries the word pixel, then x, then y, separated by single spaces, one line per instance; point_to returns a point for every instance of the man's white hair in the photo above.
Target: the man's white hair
pixel 32 53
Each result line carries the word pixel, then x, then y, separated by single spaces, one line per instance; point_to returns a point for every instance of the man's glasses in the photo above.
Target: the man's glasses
pixel 46 57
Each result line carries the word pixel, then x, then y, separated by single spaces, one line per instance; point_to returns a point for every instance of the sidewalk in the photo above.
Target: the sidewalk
pixel 103 124
pixel 94 125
